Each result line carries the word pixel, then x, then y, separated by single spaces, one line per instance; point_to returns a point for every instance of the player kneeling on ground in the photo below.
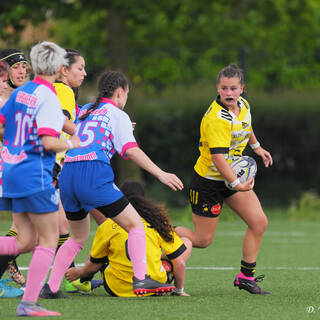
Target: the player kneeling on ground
pixel 109 251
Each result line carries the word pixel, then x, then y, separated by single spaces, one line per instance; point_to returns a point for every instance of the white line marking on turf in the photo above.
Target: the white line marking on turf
pixel 260 268
pixel 228 268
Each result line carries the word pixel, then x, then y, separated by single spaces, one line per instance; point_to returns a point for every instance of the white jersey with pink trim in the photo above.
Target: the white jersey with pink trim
pixel 105 131
pixel 32 110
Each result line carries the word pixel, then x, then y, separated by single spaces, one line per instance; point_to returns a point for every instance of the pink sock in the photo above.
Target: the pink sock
pixel 8 246
pixel 242 275
pixel 137 252
pixel 38 270
pixel 64 257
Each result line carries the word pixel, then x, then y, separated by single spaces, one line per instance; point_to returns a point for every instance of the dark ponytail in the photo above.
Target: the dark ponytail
pixel 108 83
pixel 155 215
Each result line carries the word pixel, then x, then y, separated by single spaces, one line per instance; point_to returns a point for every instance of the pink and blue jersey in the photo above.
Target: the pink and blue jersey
pixel 32 110
pixel 86 179
pixel 105 131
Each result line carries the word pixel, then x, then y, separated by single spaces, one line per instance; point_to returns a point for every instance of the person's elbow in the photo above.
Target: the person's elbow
pixel 48 142
pixel 131 153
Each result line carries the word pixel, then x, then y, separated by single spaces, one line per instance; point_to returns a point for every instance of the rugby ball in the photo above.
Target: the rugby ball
pixel 244 167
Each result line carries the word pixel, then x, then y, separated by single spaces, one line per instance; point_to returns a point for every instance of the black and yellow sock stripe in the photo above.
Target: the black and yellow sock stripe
pixel 62 239
pixel 11 233
pixel 248 269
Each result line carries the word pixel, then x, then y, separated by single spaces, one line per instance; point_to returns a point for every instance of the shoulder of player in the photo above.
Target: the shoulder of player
pixel 117 113
pixel 108 227
pixel 220 112
pixel 63 91
pixel 44 92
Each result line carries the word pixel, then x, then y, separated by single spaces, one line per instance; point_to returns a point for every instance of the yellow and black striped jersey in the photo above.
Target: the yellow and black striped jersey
pixel 68 103
pixel 221 131
pixel 110 244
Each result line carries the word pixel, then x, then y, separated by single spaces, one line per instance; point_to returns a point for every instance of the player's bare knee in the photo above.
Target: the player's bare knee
pixel 260 227
pixel 202 242
pixel 27 245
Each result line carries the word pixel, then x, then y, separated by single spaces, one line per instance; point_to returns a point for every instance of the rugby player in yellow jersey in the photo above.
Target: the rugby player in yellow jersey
pixel 71 76
pixel 225 131
pixel 110 255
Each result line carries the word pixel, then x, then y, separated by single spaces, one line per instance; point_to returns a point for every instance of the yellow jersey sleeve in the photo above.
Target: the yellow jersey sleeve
pixel 222 132
pixel 173 249
pixel 68 103
pixel 100 246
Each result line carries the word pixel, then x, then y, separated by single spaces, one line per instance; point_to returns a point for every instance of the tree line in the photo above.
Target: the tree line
pixel 161 43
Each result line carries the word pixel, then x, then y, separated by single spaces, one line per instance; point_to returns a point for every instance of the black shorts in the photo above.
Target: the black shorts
pixel 109 211
pixel 56 173
pixel 206 196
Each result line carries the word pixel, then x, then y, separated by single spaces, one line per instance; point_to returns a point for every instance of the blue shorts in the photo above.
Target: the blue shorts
pixel 42 202
pixel 87 185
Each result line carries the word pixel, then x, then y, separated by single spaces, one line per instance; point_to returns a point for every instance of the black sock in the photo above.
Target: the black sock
pixel 4 260
pixel 248 269
pixel 62 239
pixel 4 263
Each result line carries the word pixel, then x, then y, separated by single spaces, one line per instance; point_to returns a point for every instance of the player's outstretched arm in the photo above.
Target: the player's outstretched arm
pixel 141 159
pixel 87 270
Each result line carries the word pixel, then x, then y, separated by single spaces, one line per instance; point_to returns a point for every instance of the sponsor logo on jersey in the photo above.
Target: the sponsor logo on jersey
pixel 245 125
pixel 215 210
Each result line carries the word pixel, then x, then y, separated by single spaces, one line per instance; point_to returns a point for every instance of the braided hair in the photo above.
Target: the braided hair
pixel 156 215
pixel 108 83
pixel 231 71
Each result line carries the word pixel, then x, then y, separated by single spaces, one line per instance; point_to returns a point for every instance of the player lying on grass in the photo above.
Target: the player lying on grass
pixel 110 255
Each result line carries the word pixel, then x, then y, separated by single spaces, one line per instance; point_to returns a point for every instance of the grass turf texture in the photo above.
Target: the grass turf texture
pixel 289 258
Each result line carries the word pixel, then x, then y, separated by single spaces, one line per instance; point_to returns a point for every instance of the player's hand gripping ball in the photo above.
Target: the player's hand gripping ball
pixel 244 167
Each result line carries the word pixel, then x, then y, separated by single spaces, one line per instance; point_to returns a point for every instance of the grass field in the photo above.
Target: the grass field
pixel 289 258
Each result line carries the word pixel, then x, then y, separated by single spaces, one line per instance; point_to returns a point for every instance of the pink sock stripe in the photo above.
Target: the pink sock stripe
pixel 49 251
pixel 242 275
pixel 137 252
pixel 64 257
pixel 8 246
pixel 137 231
pixel 38 270
pixel 73 244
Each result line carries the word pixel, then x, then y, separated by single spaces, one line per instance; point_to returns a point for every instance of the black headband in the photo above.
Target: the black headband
pixel 14 58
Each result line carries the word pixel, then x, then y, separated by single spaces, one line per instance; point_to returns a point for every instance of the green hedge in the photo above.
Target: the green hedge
pixel 286 123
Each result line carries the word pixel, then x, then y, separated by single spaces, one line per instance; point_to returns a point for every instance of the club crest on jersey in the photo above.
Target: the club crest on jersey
pixel 245 125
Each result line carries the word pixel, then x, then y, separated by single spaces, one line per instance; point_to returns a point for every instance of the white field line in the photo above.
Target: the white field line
pixel 229 268
pixel 240 233
pixel 281 237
